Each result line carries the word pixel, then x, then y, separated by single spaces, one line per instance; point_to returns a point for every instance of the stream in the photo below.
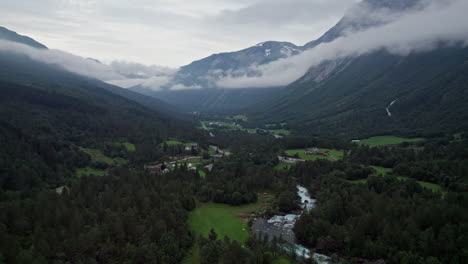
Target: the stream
pixel 282 225
pixel 388 107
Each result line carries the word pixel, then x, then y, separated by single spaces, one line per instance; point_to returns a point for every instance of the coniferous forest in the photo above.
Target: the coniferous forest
pixel 349 149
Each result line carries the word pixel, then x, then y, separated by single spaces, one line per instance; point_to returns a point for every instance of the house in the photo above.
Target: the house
pixel 59 190
pixel 209 167
pixel 194 146
pixel 155 169
pixel 315 151
pixel 289 160
pixel 216 156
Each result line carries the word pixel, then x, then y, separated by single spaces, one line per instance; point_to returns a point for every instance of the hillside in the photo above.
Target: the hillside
pixel 47 113
pixel 7 34
pixel 211 99
pixel 349 98
pixel 205 72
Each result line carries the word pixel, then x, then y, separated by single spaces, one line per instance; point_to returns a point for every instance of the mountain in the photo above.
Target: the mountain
pixel 206 72
pixel 15 37
pixel 364 15
pixel 378 93
pixel 211 99
pixel 199 79
pixel 152 103
pixel 48 115
pixel 421 93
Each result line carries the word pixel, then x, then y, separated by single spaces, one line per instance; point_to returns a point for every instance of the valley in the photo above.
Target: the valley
pixel 350 148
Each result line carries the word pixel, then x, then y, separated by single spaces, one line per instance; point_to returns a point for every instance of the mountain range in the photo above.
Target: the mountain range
pixel 205 74
pixel 379 92
pixel 49 114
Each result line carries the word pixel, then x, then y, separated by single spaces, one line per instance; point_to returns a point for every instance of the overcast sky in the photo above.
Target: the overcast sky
pixel 167 32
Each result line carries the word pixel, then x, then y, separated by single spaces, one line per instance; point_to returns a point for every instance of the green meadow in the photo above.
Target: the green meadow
pixel 333 154
pixel 88 171
pixel 388 140
pixel 280 131
pixel 97 156
pixel 129 146
pixel 384 171
pixel 225 219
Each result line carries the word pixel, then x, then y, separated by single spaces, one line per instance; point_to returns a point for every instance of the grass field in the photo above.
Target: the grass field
pixel 129 146
pixel 388 140
pixel 228 126
pixel 88 170
pixel 173 142
pixel 224 125
pixel 98 156
pixel 280 131
pixel 381 170
pixel 202 173
pixel 334 153
pixel 239 117
pixel 224 219
pixel 428 185
pixel 282 166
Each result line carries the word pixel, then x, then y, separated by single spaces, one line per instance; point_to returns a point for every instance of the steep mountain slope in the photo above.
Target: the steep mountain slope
pixel 161 107
pixel 364 15
pixel 350 97
pixel 205 72
pixel 211 99
pixel 199 78
pixel 15 37
pixel 47 114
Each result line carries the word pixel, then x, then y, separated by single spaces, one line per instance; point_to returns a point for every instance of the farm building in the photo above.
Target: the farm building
pixel 155 169
pixel 315 151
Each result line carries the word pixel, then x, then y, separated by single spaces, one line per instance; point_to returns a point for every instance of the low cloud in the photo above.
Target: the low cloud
pixel 441 22
pixel 68 61
pixel 120 73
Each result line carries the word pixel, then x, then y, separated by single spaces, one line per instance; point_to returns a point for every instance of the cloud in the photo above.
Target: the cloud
pixel 136 69
pixel 121 73
pixel 281 13
pixel 416 31
pixel 174 32
pixel 68 61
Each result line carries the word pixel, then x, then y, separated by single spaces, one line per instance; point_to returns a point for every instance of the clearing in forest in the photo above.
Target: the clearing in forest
pixel 388 140
pixel 225 219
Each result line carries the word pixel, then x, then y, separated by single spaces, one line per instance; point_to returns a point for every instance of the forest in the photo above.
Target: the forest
pixel 132 216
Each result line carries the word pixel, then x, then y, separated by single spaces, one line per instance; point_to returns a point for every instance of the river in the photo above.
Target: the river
pixel 282 225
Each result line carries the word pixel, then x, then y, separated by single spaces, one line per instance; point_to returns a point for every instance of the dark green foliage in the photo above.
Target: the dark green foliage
pixel 211 100
pixel 437 161
pixel 288 201
pixel 227 251
pixel 124 218
pixel 398 221
pixel 46 114
pixel 431 88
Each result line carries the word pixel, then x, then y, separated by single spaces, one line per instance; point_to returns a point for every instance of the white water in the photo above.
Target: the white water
pixel 388 107
pixel 288 222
